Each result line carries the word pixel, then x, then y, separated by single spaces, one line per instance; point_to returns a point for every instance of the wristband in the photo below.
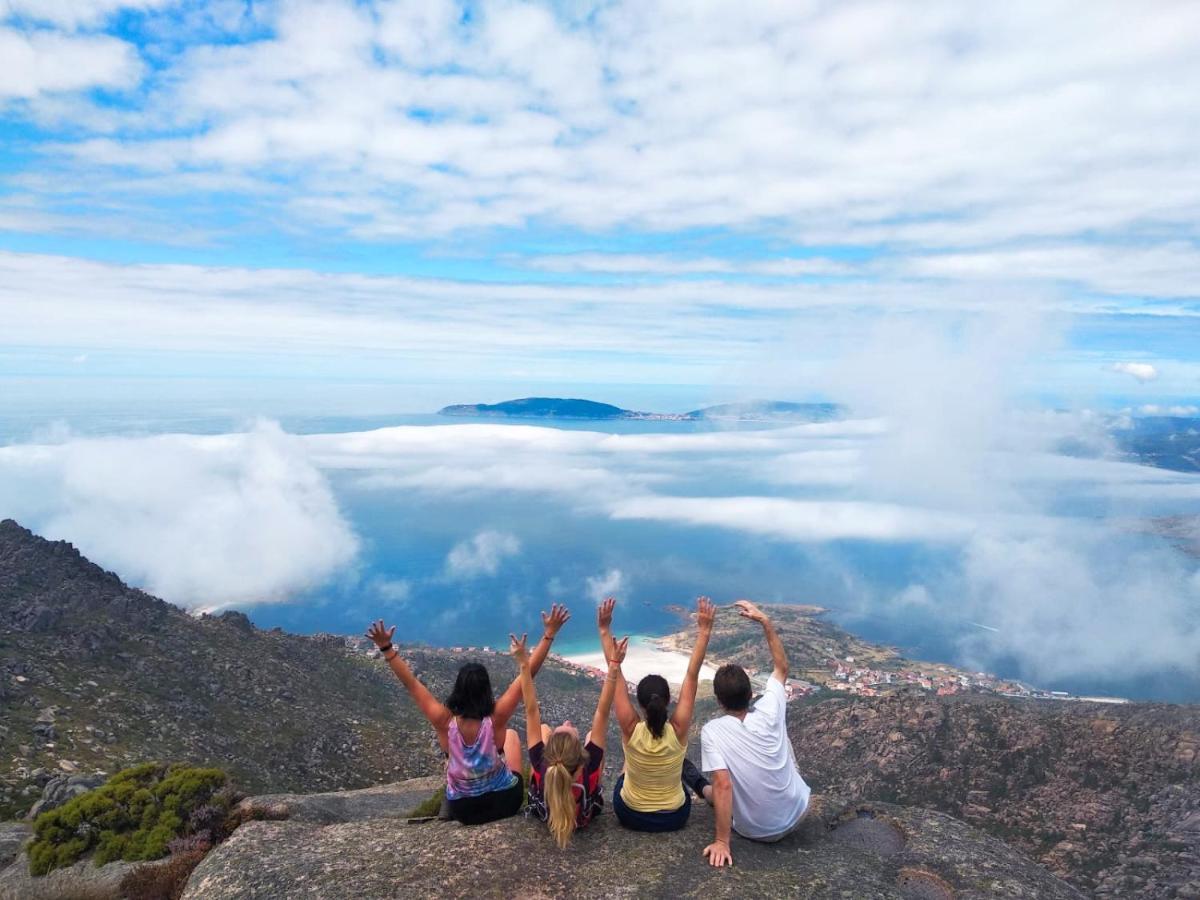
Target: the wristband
pixel 383 650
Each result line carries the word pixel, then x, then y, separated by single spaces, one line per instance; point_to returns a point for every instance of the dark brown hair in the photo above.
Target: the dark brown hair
pixel 653 694
pixel 731 684
pixel 472 694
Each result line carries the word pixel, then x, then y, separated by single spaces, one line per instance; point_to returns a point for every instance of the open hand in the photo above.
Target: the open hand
pixel 717 853
pixel 618 651
pixel 604 614
pixel 519 648
pixel 380 635
pixel 705 612
pixel 555 619
pixel 749 611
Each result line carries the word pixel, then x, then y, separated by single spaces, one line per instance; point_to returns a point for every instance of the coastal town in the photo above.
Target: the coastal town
pixel 871 672
pixel 845 676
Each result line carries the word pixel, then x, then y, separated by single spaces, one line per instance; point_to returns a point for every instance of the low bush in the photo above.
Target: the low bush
pixel 430 807
pixel 133 816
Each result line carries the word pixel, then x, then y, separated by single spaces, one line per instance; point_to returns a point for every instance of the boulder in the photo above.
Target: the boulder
pixel 12 837
pixel 82 881
pixel 61 788
pixel 864 851
pixel 385 801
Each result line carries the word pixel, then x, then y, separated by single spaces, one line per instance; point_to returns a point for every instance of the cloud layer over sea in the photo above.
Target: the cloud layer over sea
pixel 443 526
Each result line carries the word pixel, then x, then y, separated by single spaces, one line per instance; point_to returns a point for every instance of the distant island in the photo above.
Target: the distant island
pixel 560 408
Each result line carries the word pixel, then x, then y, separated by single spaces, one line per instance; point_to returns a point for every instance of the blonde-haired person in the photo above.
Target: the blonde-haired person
pixel 564 773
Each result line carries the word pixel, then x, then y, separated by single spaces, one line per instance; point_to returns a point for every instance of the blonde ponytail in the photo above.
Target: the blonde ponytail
pixel 560 800
pixel 563 755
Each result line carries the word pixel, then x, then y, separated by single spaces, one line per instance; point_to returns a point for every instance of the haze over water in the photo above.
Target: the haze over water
pixel 462 530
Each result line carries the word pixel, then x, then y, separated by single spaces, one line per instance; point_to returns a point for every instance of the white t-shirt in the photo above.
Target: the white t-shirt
pixel 769 796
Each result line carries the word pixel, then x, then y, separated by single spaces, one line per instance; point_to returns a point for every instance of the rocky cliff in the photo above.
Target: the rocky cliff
pixel 1108 796
pixel 344 847
pixel 95 675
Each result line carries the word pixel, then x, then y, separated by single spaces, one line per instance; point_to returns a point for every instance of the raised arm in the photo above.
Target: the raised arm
pixel 778 654
pixel 507 704
pixel 600 720
pixel 533 715
pixel 681 721
pixel 627 717
pixel 437 714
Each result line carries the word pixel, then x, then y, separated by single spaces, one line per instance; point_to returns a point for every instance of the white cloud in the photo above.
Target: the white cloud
pixel 1169 269
pixel 39 63
pixel 858 122
pixel 391 592
pixel 1181 410
pixel 800 520
pixel 1080 603
pixel 481 554
pixel 640 264
pixel 607 584
pixel 74 13
pixel 205 522
pixel 1143 372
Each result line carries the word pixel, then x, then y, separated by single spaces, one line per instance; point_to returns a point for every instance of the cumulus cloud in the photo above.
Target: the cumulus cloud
pixel 1143 372
pixel 39 63
pixel 482 554
pixel 606 584
pixel 959 125
pixel 205 522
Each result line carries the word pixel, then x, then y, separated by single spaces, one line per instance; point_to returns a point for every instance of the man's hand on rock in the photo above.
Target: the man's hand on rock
pixel 717 853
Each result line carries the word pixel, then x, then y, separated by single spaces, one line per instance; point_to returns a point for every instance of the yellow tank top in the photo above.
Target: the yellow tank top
pixel 653 768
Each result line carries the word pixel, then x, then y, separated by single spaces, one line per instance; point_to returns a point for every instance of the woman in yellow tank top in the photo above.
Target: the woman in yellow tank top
pixel 650 794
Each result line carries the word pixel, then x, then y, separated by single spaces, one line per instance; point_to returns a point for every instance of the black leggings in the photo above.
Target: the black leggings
pixel 490 806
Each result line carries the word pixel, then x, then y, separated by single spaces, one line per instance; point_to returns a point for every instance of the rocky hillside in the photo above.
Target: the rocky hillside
pixel 352 846
pixel 95 675
pixel 1107 796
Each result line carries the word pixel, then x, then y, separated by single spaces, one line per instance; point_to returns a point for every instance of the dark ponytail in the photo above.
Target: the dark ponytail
pixel 653 694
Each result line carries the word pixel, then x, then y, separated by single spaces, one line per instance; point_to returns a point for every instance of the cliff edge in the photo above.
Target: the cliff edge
pixel 866 851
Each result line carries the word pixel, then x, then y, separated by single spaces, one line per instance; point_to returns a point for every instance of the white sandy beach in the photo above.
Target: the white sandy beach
pixel 645 657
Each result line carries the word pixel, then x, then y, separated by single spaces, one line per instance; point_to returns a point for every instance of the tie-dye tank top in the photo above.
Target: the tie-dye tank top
pixel 477 768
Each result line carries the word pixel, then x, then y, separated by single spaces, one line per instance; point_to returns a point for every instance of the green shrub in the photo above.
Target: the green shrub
pixel 133 816
pixel 429 807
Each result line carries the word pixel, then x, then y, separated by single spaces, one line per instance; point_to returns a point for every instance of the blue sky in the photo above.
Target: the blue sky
pixel 662 202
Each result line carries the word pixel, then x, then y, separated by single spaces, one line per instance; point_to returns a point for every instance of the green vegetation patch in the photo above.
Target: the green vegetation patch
pixel 430 807
pixel 134 816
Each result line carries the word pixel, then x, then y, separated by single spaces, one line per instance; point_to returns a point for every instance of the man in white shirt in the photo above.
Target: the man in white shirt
pixel 756 788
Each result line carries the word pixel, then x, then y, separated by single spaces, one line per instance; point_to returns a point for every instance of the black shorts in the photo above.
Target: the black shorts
pixel 490 806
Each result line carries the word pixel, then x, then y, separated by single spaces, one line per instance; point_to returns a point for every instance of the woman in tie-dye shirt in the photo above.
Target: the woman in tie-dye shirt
pixel 483 775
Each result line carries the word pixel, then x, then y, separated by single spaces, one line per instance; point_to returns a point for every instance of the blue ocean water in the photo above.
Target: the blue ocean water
pixel 566 551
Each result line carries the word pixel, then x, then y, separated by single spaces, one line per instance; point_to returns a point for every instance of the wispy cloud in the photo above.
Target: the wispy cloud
pixel 606 584
pixel 1143 372
pixel 482 554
